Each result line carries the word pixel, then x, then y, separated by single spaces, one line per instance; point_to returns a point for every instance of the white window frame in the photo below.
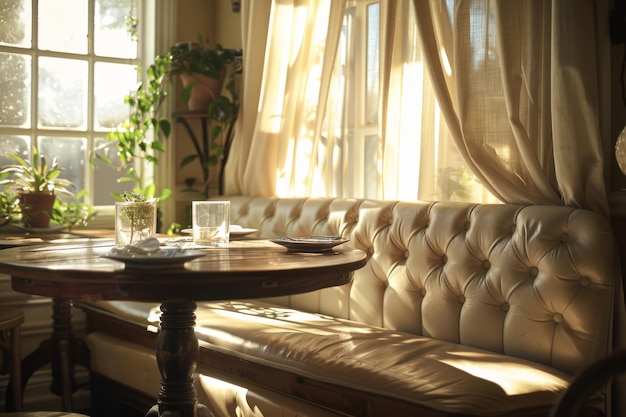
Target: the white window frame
pixel 356 128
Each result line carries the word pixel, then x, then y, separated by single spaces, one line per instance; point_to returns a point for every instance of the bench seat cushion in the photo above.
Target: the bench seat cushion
pixel 433 373
pixel 135 366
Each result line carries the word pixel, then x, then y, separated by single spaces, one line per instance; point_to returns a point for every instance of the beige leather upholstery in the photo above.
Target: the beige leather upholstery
pixel 535 282
pixel 121 360
pixel 482 309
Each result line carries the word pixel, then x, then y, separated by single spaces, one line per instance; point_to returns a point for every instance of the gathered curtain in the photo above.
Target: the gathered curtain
pixel 479 101
pixel 523 87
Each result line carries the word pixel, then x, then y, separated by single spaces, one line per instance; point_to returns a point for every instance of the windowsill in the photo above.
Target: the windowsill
pixel 104 218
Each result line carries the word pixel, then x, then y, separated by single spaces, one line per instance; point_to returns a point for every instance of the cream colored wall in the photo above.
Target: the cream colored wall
pixel 227 24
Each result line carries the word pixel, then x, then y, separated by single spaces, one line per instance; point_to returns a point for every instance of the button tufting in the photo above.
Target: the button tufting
pixel 558 317
pixel 534 271
pixel 486 264
pixel 406 253
pixel 444 259
pixel 564 237
pixel 585 281
pixel 505 306
pixel 423 292
pixel 512 228
pixel 467 226
pixel 461 299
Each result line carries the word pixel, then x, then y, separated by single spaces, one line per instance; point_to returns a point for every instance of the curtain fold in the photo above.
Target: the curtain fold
pixel 521 91
pixel 254 23
pixel 289 50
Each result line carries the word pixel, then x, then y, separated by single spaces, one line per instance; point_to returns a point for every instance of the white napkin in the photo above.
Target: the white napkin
pixel 147 247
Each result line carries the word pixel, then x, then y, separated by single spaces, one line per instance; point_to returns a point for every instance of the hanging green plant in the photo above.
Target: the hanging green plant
pixel 140 136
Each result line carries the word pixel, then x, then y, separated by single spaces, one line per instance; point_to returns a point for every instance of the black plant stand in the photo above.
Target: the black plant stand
pixel 202 145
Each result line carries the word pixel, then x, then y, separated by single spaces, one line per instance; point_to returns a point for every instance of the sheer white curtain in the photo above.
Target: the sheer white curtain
pixel 420 159
pixel 288 56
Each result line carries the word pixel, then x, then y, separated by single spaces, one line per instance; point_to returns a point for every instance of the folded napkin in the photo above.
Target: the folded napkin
pixel 147 247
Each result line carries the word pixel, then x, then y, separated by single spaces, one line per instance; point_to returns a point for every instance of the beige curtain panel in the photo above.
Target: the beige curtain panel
pixel 547 63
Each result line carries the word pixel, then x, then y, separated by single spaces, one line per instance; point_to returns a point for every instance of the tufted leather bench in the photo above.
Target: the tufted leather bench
pixel 462 309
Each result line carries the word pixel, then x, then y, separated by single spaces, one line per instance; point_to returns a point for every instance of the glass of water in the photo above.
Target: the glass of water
pixel 211 223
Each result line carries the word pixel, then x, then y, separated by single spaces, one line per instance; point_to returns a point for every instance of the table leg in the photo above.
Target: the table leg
pixel 62 350
pixel 177 357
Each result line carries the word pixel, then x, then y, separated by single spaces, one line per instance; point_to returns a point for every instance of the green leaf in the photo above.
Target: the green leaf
pixel 187 91
pixel 215 132
pixel 149 190
pixel 166 127
pixel 188 159
pixel 157 146
pixel 166 193
pixel 103 158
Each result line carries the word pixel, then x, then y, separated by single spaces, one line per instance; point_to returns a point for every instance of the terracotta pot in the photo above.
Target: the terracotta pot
pixel 36 209
pixel 205 90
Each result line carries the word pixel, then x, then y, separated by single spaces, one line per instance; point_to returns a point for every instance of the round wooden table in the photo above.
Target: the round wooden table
pixel 246 269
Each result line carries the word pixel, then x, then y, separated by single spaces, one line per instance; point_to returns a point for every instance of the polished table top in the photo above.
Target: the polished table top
pixel 79 269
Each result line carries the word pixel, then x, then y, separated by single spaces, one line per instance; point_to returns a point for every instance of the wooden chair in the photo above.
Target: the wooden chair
pixel 572 403
pixel 11 355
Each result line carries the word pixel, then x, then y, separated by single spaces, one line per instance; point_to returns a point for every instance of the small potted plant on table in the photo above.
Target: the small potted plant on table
pixel 135 218
pixel 37 186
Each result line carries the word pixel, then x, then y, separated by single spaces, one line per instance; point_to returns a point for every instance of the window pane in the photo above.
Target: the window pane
pixel 112 83
pixel 69 153
pixel 371 98
pixel 62 97
pixel 370 174
pixel 111 37
pixel 105 177
pixel 15 90
pixel 19 145
pixel 63 25
pixel 15 23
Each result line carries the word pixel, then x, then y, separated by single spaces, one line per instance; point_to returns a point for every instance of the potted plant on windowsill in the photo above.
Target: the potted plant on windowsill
pixel 37 185
pixel 202 70
pixel 8 206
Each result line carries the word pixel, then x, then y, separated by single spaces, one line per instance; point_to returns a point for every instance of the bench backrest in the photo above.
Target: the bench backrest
pixel 534 282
